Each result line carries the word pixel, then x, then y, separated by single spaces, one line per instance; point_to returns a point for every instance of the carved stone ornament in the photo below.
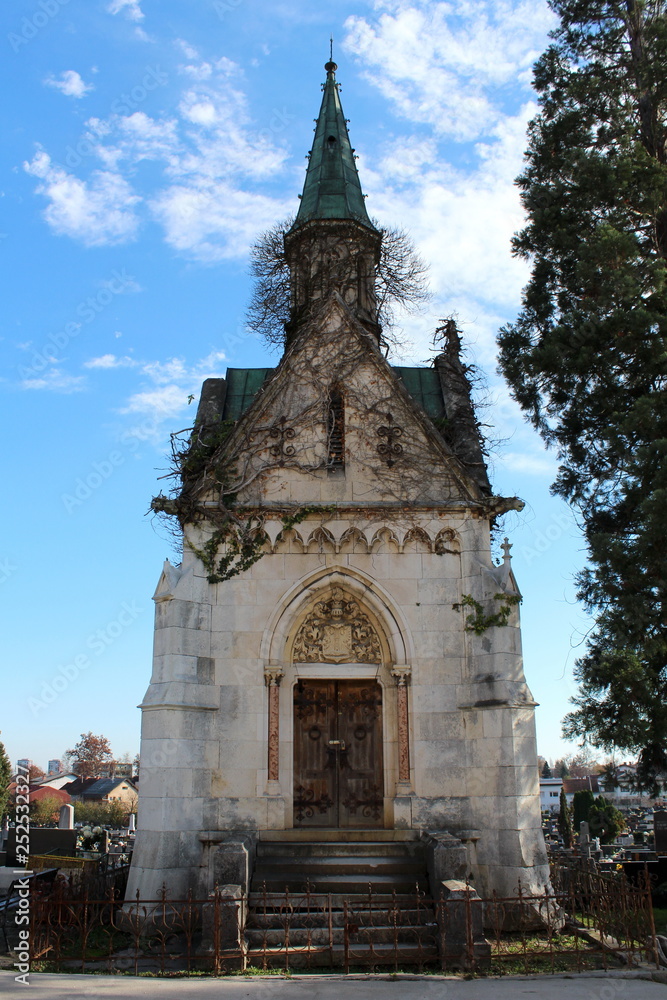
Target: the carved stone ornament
pixel 402 672
pixel 337 631
pixel 273 674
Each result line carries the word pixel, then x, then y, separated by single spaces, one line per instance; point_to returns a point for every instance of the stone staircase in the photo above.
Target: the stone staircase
pixel 332 897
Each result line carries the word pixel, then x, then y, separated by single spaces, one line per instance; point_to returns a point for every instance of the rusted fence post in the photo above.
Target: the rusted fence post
pixel 223 926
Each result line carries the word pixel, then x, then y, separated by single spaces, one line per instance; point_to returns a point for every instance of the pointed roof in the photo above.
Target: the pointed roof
pixel 332 189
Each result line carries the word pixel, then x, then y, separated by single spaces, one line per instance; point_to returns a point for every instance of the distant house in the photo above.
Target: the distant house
pixel 38 793
pixel 550 794
pixel 77 786
pixel 588 784
pixel 110 790
pixel 57 780
pixel 625 791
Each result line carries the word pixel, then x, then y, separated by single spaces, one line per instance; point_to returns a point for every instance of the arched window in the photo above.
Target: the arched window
pixel 336 430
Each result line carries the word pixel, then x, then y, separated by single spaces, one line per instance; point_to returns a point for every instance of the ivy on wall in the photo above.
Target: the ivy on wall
pixel 243 543
pixel 478 622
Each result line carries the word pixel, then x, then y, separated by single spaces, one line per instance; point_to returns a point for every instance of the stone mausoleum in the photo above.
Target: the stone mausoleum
pixel 337 657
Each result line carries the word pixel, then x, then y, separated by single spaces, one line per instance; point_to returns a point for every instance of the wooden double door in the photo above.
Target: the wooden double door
pixel 338 776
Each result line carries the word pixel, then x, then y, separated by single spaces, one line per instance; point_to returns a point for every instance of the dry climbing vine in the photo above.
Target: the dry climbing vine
pixel 228 475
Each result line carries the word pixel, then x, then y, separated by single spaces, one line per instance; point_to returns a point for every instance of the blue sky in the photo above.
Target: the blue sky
pixel 145 146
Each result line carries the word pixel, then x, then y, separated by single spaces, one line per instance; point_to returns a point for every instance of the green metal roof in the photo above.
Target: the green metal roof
pixel 423 384
pixel 243 384
pixel 332 189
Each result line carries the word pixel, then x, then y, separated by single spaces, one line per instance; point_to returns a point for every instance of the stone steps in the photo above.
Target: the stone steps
pixel 320 835
pixel 259 937
pixel 305 903
pixel 309 885
pixel 349 866
pixel 268 917
pixel 358 884
pixel 315 865
pixel 329 848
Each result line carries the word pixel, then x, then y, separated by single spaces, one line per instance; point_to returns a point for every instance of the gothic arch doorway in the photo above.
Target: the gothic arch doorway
pixel 338 760
pixel 338 725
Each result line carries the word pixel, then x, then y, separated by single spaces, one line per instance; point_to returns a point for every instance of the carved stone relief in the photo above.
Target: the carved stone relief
pixel 337 631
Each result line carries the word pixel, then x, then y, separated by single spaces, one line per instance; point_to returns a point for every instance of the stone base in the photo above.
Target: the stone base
pixel 461 927
pixel 446 858
pixel 228 859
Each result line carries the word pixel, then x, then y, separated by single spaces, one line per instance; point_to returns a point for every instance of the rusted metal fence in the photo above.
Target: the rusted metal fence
pixel 585 921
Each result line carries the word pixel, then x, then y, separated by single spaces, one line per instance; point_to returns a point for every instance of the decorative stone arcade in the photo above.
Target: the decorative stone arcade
pixel 333 682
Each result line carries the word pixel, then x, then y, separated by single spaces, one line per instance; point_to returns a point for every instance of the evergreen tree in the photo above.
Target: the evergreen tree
pixel 5 781
pixel 586 358
pixel 605 820
pixel 562 768
pixel 564 821
pixel 546 770
pixel 582 803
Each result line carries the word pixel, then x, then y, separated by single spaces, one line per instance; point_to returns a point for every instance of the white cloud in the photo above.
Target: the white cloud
pixel 99 212
pixel 188 50
pixel 447 67
pixel 70 84
pixel 460 73
pixel 168 384
pixel 530 463
pixel 56 381
pixel 161 403
pixel 211 220
pixel 210 152
pixel 461 220
pixel 130 8
pixel 139 137
pixel 110 361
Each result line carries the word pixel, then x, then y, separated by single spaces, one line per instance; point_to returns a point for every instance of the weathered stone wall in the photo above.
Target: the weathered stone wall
pixel 205 729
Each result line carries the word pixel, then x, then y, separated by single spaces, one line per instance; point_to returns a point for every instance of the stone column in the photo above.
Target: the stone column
pixel 273 674
pixel 402 674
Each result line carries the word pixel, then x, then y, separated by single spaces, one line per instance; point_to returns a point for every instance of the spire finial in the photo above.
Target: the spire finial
pixel 331 66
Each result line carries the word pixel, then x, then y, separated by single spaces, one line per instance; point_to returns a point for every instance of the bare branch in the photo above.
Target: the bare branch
pixel 400 281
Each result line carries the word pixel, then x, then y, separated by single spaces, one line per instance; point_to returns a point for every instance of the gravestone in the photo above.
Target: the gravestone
pixel 66 819
pixel 584 839
pixel 660 828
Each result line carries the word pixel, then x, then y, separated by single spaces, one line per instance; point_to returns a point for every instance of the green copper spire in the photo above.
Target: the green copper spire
pixel 332 189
